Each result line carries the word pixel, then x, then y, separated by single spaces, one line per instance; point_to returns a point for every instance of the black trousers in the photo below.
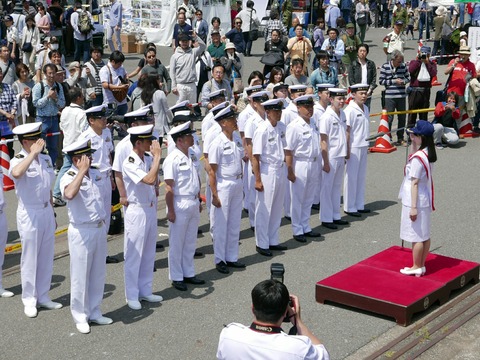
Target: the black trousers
pixel 419 98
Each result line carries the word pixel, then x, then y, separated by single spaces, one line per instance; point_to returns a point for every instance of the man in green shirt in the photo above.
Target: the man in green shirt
pixel 216 48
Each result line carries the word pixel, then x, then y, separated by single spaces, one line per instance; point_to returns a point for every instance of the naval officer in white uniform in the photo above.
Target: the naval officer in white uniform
pixel 140 175
pixel 82 187
pixel 301 155
pixel 358 129
pixel 333 133
pixel 182 196
pixel 268 163
pixel 33 175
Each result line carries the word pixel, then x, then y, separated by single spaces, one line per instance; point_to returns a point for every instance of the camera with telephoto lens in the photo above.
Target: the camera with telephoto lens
pixel 277 271
pixel 422 56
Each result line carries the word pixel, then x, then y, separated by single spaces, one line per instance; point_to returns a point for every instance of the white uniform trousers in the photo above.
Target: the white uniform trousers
pixel 187 92
pixel 354 184
pixel 139 250
pixel 36 227
pixel 302 191
pixel 3 239
pixel 87 245
pixel 245 183
pixel 268 210
pixel 318 183
pixel 330 194
pixel 225 220
pixel 107 201
pixel 183 237
pixel 287 200
pixel 251 195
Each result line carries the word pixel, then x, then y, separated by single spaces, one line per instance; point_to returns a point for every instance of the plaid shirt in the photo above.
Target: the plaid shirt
pixel 8 102
pixel 272 25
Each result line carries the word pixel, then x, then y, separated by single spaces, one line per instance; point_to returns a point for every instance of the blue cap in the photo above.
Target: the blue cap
pixel 422 127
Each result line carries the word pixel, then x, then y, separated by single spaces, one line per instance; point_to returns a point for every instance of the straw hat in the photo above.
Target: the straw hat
pixel 441 10
pixel 464 50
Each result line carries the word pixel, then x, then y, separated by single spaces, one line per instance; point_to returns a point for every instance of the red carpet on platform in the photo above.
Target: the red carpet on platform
pixel 376 284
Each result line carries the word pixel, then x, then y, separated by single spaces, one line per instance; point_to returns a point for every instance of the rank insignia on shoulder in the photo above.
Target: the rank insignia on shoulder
pixel 107 139
pixel 98 178
pixel 131 159
pixel 359 115
pixel 71 173
pixel 147 154
pixel 49 164
pixel 20 156
pixel 93 167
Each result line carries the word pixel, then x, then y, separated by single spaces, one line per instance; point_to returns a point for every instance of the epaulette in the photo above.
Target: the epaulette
pixel 20 156
pixel 71 173
pixel 147 154
pixel 94 167
pixel 131 159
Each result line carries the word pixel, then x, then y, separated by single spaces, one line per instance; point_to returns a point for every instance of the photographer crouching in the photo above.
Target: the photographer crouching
pixel 422 71
pixel 265 339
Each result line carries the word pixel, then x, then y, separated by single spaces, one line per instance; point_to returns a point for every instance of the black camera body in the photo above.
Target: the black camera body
pixel 422 56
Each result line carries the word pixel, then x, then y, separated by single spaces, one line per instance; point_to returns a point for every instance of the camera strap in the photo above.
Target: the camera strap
pixel 266 329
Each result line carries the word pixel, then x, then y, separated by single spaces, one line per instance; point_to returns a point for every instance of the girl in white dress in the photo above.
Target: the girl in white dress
pixel 417 196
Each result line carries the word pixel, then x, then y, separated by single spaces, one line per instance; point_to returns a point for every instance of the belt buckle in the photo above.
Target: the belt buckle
pixel 239 176
pixel 314 159
pixel 151 204
pixel 99 225
pixel 45 204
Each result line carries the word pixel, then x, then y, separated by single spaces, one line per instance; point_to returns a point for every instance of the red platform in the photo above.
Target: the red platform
pixel 375 284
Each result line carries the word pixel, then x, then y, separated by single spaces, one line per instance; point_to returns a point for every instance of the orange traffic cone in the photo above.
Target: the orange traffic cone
pixel 435 81
pixel 383 144
pixel 466 128
pixel 5 166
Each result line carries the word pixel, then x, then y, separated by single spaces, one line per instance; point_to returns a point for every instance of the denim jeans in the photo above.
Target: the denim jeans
pixel 82 48
pixel 50 125
pixel 67 164
pixel 110 31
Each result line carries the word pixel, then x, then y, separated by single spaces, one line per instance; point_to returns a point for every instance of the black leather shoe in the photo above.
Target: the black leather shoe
pixel 111 260
pixel 199 232
pixel 252 228
pixel 278 247
pixel 154 268
pixel 312 234
pixel 365 211
pixel 235 264
pixel 222 268
pixel 179 285
pixel 354 214
pixel 340 222
pixel 193 280
pixel 329 225
pixel 198 254
pixel 245 211
pixel 264 252
pixel 159 246
pixel 300 238
pixel 288 218
pixel 315 206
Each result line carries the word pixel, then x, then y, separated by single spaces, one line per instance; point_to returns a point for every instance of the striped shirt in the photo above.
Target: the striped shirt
pixel 388 78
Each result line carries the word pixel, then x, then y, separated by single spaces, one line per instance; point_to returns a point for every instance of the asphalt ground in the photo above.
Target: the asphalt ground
pixel 187 324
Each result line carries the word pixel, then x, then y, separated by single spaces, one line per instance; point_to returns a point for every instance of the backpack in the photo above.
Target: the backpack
pixel 84 23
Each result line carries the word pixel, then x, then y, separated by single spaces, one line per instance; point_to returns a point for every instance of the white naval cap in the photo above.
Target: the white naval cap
pixel 182 108
pixel 279 86
pixel 96 111
pixel 274 104
pixel 252 89
pixel 304 100
pixel 225 113
pixel 219 107
pixel 142 132
pixel 79 147
pixel 297 88
pixel 359 87
pixel 179 130
pixel 337 91
pixel 324 87
pixel 29 131
pixel 216 94
pixel 142 114
pixel 260 96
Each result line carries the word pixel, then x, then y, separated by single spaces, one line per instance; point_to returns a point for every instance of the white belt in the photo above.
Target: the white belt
pixel 141 205
pixel 194 197
pixel 98 224
pixel 36 206
pixel 234 177
pixel 274 165
pixel 306 159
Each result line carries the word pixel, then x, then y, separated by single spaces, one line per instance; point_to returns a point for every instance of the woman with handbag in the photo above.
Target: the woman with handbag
pixel 29 42
pixel 22 89
pixel 361 18
pixel 250 24
pixel 232 64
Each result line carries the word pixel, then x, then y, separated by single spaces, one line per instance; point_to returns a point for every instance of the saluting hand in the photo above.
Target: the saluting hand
pixel 84 164
pixel 37 147
pixel 155 148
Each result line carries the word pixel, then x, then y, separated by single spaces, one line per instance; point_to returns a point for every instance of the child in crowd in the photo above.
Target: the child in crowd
pixel 410 21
